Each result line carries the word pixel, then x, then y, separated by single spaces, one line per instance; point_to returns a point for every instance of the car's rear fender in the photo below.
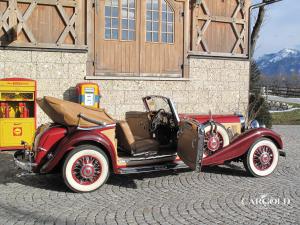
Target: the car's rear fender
pixel 78 138
pixel 47 141
pixel 239 146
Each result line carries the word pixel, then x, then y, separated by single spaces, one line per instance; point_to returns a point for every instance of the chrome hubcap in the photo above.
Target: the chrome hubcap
pixel 263 157
pixel 86 170
pixel 213 143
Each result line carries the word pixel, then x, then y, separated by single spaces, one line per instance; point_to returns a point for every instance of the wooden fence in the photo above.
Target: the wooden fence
pixel 279 91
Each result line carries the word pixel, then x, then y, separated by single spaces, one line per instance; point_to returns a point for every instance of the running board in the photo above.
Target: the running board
pixel 148 158
pixel 153 168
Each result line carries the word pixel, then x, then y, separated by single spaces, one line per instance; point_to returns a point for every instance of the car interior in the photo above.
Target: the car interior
pixel 150 133
pixel 142 135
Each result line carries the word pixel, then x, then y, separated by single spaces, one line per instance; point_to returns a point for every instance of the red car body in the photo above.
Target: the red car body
pixel 217 118
pixel 50 138
pixel 54 143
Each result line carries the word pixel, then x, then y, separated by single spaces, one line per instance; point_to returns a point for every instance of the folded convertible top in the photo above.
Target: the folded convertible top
pixel 67 113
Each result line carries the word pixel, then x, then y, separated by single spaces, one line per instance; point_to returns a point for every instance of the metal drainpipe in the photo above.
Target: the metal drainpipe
pixel 251 8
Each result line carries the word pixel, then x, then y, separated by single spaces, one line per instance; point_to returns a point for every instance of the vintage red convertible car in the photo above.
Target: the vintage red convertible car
pixel 86 145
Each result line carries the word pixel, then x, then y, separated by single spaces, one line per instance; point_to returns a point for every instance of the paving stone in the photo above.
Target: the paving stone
pixel 180 197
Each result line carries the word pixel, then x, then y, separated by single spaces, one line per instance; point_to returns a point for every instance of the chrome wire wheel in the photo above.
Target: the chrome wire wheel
pixel 215 142
pixel 86 168
pixel 262 158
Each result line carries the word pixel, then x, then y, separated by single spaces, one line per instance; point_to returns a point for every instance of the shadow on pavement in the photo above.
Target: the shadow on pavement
pixel 230 170
pixel 10 174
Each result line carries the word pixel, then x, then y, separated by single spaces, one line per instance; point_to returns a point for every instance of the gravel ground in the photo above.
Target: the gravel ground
pixel 219 195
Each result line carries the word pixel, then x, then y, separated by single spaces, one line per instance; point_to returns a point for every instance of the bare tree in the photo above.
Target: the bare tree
pixel 257 27
pixel 258 107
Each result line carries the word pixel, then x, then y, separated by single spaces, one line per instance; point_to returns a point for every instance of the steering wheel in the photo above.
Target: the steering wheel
pixel 156 120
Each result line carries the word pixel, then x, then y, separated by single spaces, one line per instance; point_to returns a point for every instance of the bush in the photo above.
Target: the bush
pixel 259 110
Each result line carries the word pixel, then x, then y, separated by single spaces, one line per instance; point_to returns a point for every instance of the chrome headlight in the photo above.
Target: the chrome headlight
pixel 254 124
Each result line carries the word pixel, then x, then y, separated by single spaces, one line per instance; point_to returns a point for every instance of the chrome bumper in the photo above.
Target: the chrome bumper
pixel 21 159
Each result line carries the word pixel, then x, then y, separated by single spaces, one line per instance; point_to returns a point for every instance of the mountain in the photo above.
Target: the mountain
pixel 285 62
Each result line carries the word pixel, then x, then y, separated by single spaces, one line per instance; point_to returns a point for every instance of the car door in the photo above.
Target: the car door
pixel 190 143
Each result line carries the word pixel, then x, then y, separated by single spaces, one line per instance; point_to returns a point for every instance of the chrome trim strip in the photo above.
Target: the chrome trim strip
pixel 174 111
pixel 152 168
pixel 96 127
pixel 42 149
pixel 150 158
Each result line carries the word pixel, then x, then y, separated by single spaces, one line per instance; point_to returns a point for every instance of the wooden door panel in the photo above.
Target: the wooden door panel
pixel 138 57
pixel 162 58
pixel 220 27
pixel 118 56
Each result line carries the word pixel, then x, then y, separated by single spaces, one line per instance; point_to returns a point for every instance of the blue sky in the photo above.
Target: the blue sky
pixel 281 28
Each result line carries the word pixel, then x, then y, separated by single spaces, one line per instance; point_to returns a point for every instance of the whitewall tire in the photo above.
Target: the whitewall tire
pixel 262 158
pixel 86 169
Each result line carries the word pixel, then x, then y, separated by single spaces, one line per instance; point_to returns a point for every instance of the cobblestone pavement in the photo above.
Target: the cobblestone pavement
pixel 216 196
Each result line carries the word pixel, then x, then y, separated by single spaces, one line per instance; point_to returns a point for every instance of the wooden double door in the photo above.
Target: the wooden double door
pixel 139 38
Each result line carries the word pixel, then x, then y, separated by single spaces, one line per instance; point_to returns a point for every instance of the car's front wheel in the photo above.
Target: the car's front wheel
pixel 262 158
pixel 86 168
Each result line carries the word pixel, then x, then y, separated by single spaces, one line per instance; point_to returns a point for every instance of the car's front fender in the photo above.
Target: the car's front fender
pixel 240 145
pixel 78 138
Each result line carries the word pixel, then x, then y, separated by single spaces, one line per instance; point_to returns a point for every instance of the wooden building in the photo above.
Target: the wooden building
pixel 194 51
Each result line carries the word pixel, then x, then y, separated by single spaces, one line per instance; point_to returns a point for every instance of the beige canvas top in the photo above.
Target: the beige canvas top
pixel 66 113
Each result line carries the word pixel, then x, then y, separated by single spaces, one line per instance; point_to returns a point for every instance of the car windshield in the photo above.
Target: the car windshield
pixel 156 103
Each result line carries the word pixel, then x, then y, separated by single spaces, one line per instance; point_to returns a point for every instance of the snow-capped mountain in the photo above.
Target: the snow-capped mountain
pixel 286 62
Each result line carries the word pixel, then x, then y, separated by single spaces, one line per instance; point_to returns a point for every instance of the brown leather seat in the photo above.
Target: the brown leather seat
pixel 134 145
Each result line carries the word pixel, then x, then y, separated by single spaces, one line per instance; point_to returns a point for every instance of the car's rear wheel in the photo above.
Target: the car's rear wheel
pixel 86 168
pixel 262 158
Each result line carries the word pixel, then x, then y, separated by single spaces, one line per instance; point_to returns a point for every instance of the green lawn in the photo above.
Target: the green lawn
pixel 287 118
pixel 295 105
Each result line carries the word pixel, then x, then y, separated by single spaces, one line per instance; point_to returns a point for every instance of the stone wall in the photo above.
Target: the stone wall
pixel 56 73
pixel 217 85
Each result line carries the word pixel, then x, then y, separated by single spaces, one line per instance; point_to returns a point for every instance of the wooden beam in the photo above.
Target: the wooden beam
pixel 90 36
pixel 218 54
pixel 69 24
pixel 67 3
pixel 22 21
pixel 221 19
pixel 48 46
